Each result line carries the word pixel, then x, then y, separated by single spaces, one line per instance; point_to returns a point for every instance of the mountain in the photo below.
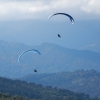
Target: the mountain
pixel 57 58
pixel 9 51
pixel 79 81
pixel 53 58
pixel 38 92
pixel 93 47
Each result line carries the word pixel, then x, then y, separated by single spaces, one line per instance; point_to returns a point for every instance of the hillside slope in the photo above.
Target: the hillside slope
pixel 79 81
pixel 31 90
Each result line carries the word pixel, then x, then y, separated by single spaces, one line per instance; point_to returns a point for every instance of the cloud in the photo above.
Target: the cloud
pixel 92 45
pixel 21 9
pixel 91 6
pixel 39 9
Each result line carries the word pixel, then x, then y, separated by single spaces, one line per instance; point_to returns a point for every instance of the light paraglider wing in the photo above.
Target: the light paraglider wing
pixel 31 50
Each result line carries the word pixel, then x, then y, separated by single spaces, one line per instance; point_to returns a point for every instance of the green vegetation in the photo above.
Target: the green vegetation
pixel 9 97
pixel 79 81
pixel 38 92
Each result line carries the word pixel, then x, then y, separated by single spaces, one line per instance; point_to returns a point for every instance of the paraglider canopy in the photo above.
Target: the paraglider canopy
pixel 70 17
pixel 31 50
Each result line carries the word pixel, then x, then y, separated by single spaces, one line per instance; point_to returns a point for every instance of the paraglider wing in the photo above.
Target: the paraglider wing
pixel 70 17
pixel 32 50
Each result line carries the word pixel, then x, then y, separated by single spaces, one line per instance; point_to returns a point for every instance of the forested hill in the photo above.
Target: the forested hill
pixel 38 92
pixel 79 81
pixel 53 58
pixel 10 97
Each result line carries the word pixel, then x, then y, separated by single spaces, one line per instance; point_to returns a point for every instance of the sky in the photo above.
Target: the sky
pixel 41 9
pixel 26 21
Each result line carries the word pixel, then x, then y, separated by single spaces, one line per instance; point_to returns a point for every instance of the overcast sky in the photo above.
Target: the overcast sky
pixel 41 9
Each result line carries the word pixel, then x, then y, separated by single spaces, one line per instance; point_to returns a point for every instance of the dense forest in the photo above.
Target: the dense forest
pixel 10 97
pixel 79 81
pixel 38 92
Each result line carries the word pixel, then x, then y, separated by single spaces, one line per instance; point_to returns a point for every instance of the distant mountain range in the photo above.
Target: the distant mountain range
pixel 79 81
pixel 93 47
pixel 53 58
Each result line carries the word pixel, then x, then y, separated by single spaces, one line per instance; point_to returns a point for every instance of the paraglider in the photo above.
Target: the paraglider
pixel 59 35
pixel 31 50
pixel 35 70
pixel 70 17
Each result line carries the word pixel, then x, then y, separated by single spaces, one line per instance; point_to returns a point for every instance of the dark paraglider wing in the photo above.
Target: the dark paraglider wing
pixel 70 17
